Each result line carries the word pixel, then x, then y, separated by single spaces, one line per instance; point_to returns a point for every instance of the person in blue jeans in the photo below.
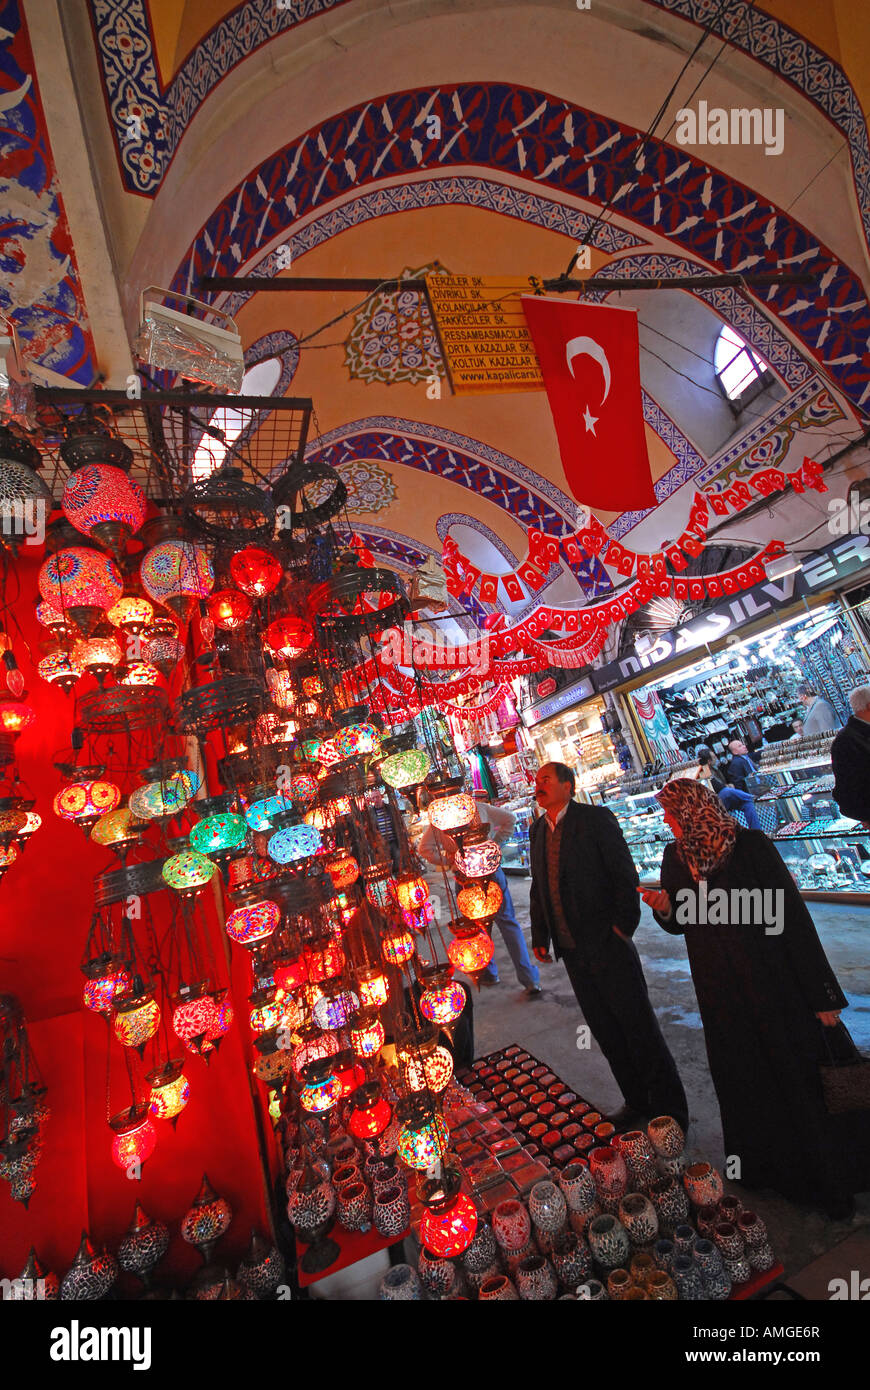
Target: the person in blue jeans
pixel 499 823
pixel 732 798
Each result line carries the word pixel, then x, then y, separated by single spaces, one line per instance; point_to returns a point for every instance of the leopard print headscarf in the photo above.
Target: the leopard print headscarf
pixel 708 830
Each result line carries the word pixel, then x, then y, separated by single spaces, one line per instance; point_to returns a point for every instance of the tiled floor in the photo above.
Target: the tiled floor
pixel 548 1028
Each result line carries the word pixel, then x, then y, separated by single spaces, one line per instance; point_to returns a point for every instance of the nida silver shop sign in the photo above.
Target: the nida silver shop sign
pixel 820 571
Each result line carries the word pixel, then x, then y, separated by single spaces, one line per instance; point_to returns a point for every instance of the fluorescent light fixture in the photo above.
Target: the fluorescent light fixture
pixel 197 350
pixel 782 565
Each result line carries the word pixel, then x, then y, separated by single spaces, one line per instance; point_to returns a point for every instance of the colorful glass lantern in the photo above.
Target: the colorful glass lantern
pixel 379 883
pixel 412 892
pixel 471 949
pixel 357 741
pixel 193 1017
pixel 320 750
pixel 102 501
pixel 29 828
pixel 256 572
pixel 188 872
pixel 219 833
pixel 443 999
pixel 80 578
pixel 406 769
pixel 426 1065
pixel 367 1034
pixel 135 1137
pixel 7 858
pixel 164 652
pixel 85 802
pixel 12 822
pixel 424 1140
pixel 293 843
pixel 372 986
pixel 223 1017
pixel 273 1063
pixel 170 1090
pixel 15 716
pixel 107 980
pixel 281 689
pixel 136 1019
pixel 335 1007
pixel 322 1088
pixel 115 829
pixel 291 974
pixel 140 673
pixel 312 686
pixel 312 1045
pixel 348 1072
pixel 132 614
pixel 176 570
pixel 229 609
pixel 289 637
pixel 449 1221
pixel 480 901
pixel 327 817
pixel 166 796
pixel 398 946
pixel 478 860
pixel 370 1112
pixel 97 655
pixel 52 618
pixel 261 814
pixel 59 669
pixel 254 920
pixel 342 869
pixel 265 1011
pixel 324 959
pixel 452 812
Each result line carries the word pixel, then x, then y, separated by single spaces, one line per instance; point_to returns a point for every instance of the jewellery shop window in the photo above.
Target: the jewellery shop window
pixel 750 694
pixel 579 739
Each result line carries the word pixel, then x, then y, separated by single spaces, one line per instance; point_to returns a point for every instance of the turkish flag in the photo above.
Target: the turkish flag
pixel 589 360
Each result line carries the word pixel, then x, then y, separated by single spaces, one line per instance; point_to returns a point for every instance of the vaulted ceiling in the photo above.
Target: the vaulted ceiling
pixel 154 142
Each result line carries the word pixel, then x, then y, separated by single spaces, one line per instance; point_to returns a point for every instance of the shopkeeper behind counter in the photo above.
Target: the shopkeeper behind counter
pixel 820 717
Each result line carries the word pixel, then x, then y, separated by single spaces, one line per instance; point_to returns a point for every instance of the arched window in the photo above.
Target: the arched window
pixel 737 367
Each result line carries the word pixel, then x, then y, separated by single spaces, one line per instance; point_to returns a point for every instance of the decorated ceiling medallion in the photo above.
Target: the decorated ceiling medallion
pixel 369 487
pixel 393 337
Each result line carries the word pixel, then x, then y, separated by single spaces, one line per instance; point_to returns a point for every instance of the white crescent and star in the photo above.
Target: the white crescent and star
pixel 579 347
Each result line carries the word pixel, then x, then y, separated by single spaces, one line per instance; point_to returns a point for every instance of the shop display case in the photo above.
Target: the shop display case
pixel 828 855
pixel 515 849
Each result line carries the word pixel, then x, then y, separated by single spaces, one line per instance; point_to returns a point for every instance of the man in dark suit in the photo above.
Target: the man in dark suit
pixel 740 765
pixel 584 900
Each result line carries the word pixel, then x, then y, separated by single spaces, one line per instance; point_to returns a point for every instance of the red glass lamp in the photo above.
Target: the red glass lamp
pixel 101 501
pixel 370 1112
pixel 255 571
pixel 291 974
pixel 398 946
pixel 253 920
pixel 372 986
pixel 229 609
pixel 443 1000
pixel 170 1090
pixel 479 900
pixel 84 802
pixel 289 637
pixel 107 980
pixel 366 1033
pixel 15 716
pixel 449 1220
pixel 324 959
pixel 136 1017
pixel 135 1137
pixel 132 614
pixel 472 948
pixel 193 1017
pixel 342 868
pixel 412 892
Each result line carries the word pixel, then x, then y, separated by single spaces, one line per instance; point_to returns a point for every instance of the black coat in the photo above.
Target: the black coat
pixel 758 994
pixel 597 881
pixel 850 761
pixel 739 768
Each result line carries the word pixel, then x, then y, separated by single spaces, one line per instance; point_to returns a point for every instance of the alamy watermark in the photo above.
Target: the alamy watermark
pixel 849 518
pixel 77 1343
pixel 24 517
pixel 741 125
pixel 736 907
pixel 426 648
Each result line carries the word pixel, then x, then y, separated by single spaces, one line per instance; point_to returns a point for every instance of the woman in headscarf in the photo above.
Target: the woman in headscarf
pixel 769 1002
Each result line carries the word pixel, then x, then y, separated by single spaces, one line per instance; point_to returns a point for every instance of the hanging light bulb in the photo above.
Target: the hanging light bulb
pixel 357 740
pixel 101 501
pixel 14 678
pixel 221 830
pixel 170 1090
pixel 194 1016
pixel 451 810
pixel 479 856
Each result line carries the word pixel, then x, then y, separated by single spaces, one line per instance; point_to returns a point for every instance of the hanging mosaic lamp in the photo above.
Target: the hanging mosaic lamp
pixel 372 986
pixel 343 869
pixel 132 614
pixel 81 582
pixel 443 1000
pixel 398 946
pixel 480 901
pixel 168 788
pixel 449 1221
pixel 289 637
pixel 479 856
pixel 357 740
pixel 349 1073
pixel 366 1033
pixel 136 1017
pixel 30 827
pixel 101 501
pixel 188 872
pixel 140 673
pixel 313 1044
pixel 91 1274
pixel 135 1137
pixel 335 1007
pixel 220 831
pixel 84 802
pixel 116 829
pixel 406 769
pixel 13 819
pixel 98 656
pixel 379 883
pixel 35 1284
pixel 472 948
pixel 256 571
pixel 321 1089
pixel 261 812
pixel 52 618
pixel 370 1112
pixel 451 809
pixel 207 1220
pixel 144 1245
pixel 163 651
pixel 290 974
pixel 223 1017
pixel 59 669
pixel 324 959
pixel 424 1139
pixel 229 609
pixel 176 573
pixel 281 688
pixel 293 843
pixel 194 1016
pixel 253 919
pixel 7 859
pixel 15 717
pixel 170 1090
pixel 412 892
pixel 107 979
pixel 426 1065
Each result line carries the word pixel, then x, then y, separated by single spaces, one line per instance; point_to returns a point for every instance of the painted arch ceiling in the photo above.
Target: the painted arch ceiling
pixel 302 124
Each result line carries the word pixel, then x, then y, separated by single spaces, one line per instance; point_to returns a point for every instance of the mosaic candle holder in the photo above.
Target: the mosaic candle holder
pixel 608 1241
pixel 536 1280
